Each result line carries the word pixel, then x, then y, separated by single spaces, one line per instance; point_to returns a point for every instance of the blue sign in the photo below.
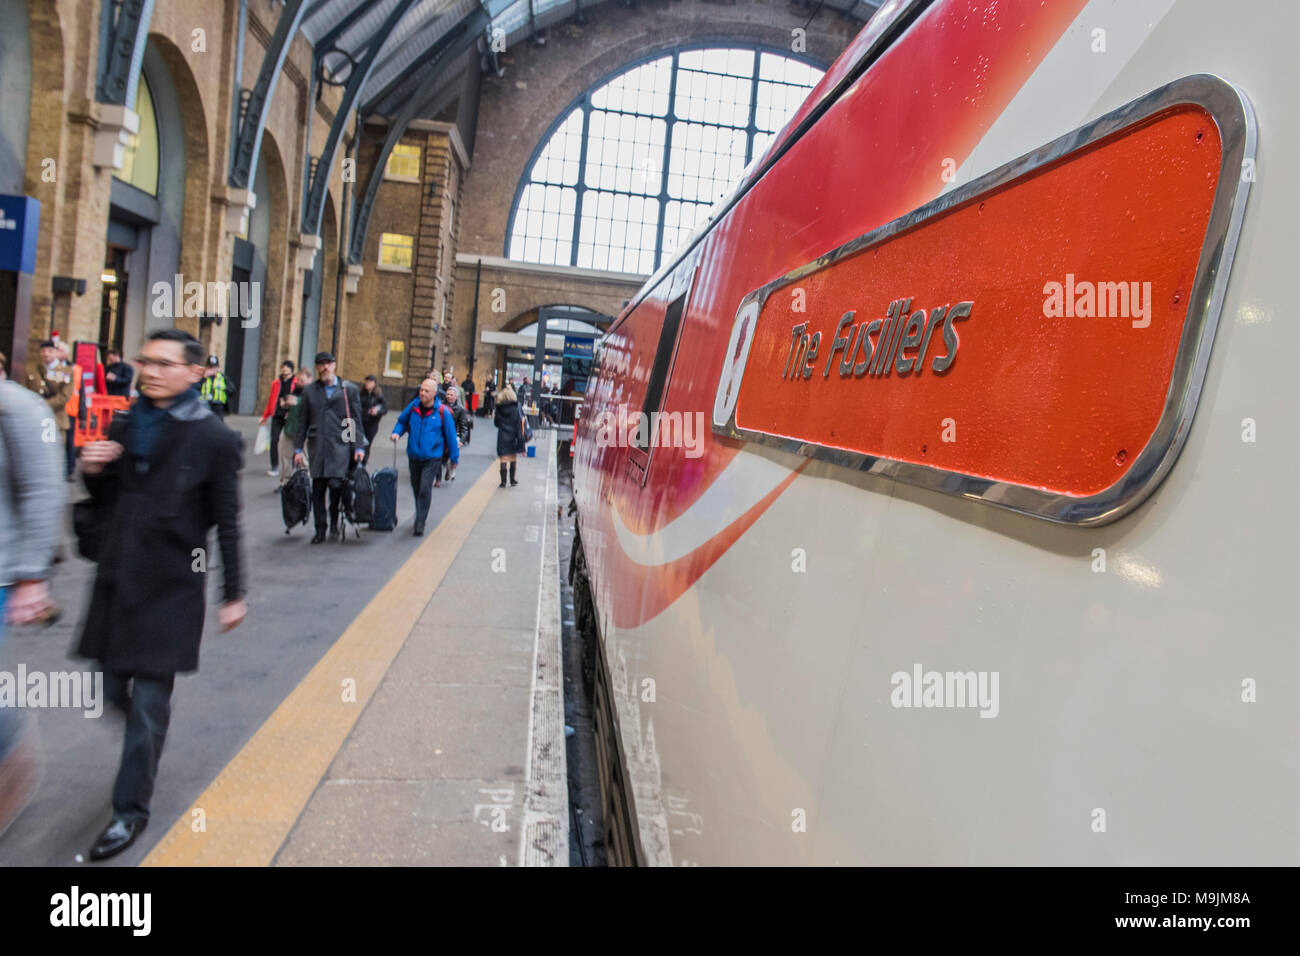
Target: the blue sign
pixel 20 218
pixel 575 347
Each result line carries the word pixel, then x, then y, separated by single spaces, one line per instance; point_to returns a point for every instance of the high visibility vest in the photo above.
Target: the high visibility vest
pixel 214 388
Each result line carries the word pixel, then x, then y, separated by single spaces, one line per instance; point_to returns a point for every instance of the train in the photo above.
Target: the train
pixel 934 503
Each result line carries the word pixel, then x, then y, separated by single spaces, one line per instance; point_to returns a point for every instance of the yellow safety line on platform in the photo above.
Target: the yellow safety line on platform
pixel 249 809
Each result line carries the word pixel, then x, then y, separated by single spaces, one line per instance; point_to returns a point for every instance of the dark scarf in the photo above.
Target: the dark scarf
pixel 144 425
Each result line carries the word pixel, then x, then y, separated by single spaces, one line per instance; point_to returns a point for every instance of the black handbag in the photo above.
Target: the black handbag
pixel 88 526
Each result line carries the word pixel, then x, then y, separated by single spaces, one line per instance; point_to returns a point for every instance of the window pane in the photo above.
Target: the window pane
pixel 624 176
pixel 140 155
pixel 396 249
pixel 403 162
pixel 559 160
pixel 545 212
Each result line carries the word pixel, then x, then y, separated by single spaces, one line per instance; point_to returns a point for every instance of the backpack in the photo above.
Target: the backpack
pixel 295 499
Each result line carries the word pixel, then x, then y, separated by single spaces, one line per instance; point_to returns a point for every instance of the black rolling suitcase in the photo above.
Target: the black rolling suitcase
pixel 384 510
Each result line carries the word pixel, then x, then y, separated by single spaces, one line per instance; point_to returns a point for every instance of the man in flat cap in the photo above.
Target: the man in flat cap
pixel 329 427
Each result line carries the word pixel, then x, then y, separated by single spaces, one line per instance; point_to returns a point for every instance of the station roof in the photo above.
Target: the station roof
pixel 409 31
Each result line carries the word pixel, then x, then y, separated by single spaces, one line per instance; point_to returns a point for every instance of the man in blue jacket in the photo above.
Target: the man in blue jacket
pixel 430 429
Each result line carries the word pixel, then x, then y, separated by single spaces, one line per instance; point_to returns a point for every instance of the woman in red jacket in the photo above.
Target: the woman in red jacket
pixel 277 407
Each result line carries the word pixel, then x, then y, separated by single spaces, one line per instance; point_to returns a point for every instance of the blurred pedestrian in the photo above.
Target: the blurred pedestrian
pixel 373 408
pixel 510 431
pixel 168 473
pixel 467 392
pixel 118 374
pixel 216 389
pixel 289 435
pixel 430 429
pixel 464 425
pixel 53 382
pixel 30 517
pixel 329 427
pixel 277 410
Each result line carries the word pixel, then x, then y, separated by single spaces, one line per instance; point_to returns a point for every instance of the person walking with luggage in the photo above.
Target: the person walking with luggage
pixel 30 515
pixel 277 410
pixel 168 473
pixel 373 408
pixel 464 425
pixel 289 434
pixel 329 428
pixel 510 431
pixel 216 389
pixel 430 429
pixel 489 397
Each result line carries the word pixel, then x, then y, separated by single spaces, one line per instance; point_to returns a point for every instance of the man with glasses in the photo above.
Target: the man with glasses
pixel 168 473
pixel 329 428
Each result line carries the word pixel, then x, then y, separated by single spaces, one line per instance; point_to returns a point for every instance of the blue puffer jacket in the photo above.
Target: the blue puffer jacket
pixel 432 431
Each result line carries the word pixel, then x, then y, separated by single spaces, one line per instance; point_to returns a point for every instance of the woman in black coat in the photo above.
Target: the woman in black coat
pixel 510 432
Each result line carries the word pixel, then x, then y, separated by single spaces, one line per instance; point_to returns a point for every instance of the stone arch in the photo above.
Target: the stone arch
pixel 519 117
pixel 529 316
pixel 197 204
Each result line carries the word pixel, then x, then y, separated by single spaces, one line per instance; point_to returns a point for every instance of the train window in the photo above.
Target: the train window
pixel 654 394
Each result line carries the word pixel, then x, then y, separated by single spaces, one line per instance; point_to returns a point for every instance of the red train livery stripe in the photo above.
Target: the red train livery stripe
pixel 876 154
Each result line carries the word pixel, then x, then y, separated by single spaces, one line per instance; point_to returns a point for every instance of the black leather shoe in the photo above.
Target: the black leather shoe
pixel 418 530
pixel 117 836
pixel 334 534
pixel 320 536
pixel 513 482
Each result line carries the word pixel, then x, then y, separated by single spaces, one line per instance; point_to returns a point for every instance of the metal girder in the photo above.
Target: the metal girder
pixel 462 37
pixel 252 123
pixel 371 106
pixel 376 102
pixel 356 13
pixel 315 205
pixel 120 70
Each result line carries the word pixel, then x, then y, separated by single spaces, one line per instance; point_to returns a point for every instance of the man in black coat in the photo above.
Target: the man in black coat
pixel 167 474
pixel 118 375
pixel 329 427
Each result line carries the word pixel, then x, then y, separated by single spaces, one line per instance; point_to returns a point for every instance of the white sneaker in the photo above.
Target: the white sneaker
pixel 273 473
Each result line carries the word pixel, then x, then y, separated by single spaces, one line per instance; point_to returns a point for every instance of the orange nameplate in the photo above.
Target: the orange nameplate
pixel 1036 338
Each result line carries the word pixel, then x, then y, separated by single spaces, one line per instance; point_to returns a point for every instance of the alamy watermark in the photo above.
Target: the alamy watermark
pixel 180 298
pixel 75 690
pixel 942 689
pixel 622 429
pixel 1102 300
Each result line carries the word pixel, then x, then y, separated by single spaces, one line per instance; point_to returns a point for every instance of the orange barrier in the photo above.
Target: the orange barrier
pixel 99 413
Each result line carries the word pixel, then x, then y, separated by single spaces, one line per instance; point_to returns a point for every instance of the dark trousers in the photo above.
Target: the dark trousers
pixel 369 425
pixel 277 426
pixel 70 443
pixel 147 704
pixel 318 486
pixel 423 474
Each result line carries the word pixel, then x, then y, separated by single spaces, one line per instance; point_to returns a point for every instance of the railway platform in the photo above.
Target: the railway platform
pixel 392 700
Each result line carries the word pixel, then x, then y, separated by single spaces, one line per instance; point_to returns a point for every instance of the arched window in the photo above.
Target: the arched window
pixel 635 164
pixel 140 155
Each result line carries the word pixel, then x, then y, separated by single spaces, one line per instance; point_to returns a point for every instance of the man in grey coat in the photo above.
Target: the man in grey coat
pixel 329 428
pixel 31 501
